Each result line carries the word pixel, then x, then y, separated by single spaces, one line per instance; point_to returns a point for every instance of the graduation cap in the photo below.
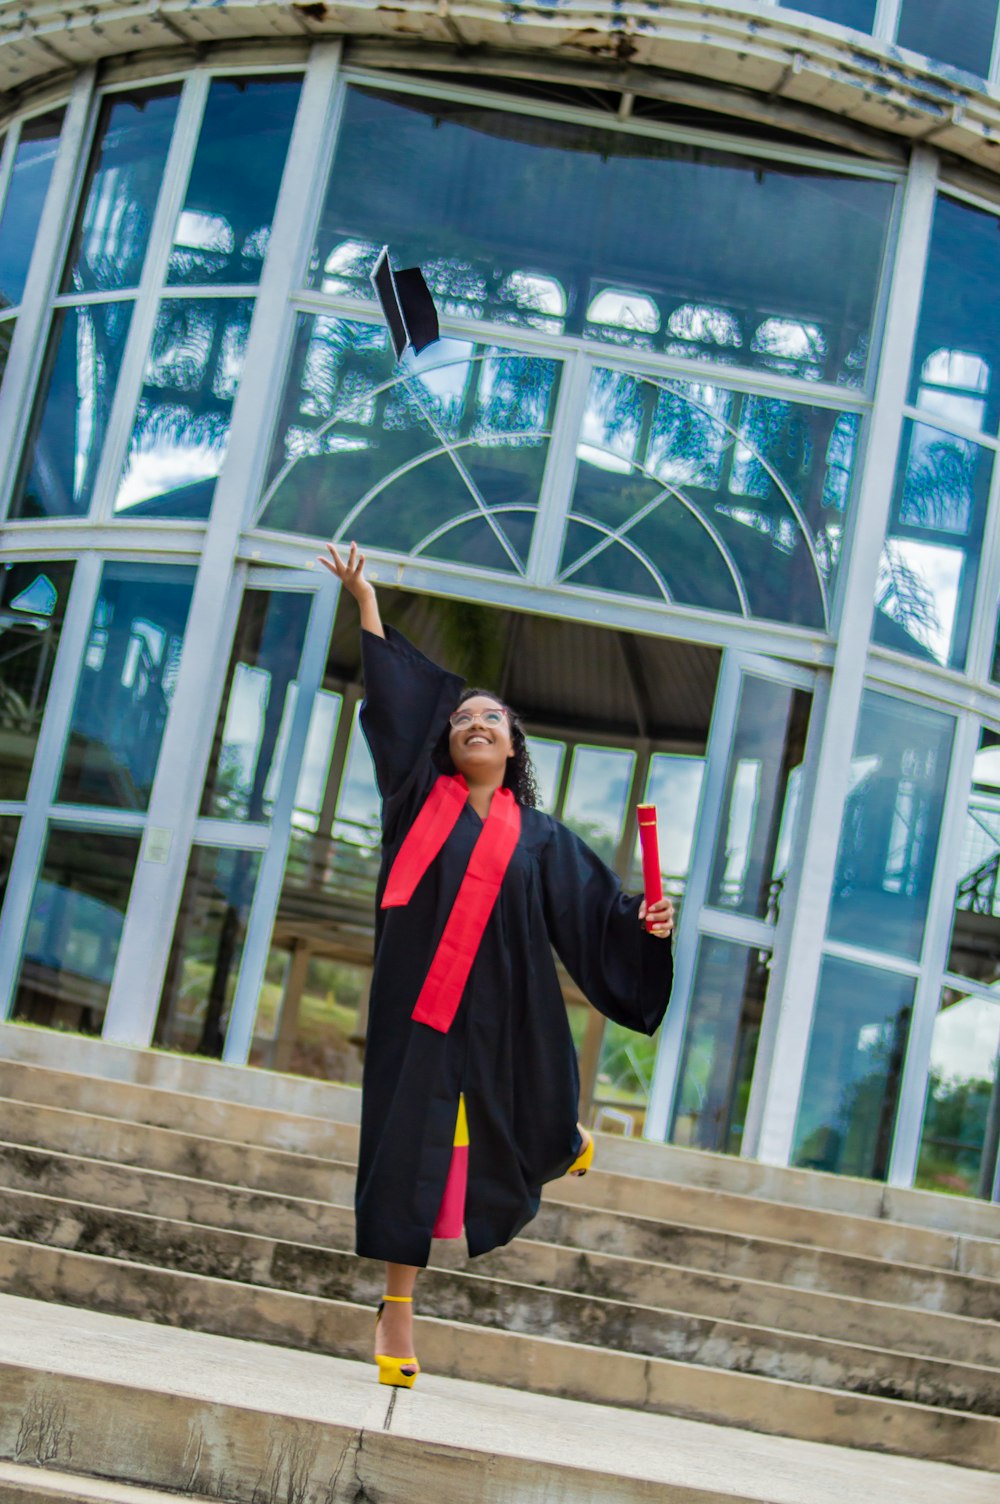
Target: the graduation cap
pixel 407 304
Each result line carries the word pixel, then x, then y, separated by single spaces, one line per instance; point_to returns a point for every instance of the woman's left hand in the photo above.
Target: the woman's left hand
pixel 662 915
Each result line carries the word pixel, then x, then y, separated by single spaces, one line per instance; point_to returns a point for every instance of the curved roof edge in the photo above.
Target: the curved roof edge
pixel 773 55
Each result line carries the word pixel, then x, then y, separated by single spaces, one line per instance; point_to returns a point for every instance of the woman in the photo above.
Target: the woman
pixel 470 1080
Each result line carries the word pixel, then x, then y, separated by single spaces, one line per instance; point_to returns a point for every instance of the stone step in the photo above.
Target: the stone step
pixel 144 1406
pixel 542 1364
pixel 484 1300
pixel 585 1229
pixel 298 1111
pixel 198 1153
pixel 527 1260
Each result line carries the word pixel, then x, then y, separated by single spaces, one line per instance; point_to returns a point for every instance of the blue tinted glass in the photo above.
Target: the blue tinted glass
pixel 32 606
pixel 961 35
pixel 859 14
pixel 121 189
pixel 622 239
pixel 126 685
pixel 249 744
pixel 696 493
pixel 224 226
pixel 720 1045
pixel 956 363
pixel 22 209
pixel 180 436
pixel 443 456
pixel 892 817
pixel 207 949
pixel 6 336
pixel 848 1103
pixel 74 928
pixel 75 393
pixel 930 563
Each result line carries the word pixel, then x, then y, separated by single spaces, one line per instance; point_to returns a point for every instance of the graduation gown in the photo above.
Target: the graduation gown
pixel 509 1048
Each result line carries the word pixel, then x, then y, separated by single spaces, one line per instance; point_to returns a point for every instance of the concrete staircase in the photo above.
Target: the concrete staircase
pixel 684 1286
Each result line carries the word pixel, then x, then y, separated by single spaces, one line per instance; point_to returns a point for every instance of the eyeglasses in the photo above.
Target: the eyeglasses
pixel 460 720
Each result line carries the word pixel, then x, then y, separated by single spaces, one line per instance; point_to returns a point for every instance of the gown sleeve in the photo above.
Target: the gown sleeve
pixel 407 702
pixel 594 928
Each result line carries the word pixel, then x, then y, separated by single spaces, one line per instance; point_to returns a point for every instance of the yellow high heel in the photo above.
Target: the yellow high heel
pixel 400 1372
pixel 585 1158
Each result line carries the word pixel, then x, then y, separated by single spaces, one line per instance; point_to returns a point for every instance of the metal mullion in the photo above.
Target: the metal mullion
pixel 886 22
pixel 669 1051
pixel 27 349
pixel 8 153
pixel 32 541
pixel 929 419
pixel 740 928
pixel 944 688
pixel 96 817
pixel 260 926
pixel 187 741
pixel 881 304
pixel 709 140
pixel 245 66
pixel 45 770
pixel 933 959
pixel 176 171
pixel 968 987
pixel 211 831
pixel 878 960
pixel 993 74
pixel 556 495
pixel 983 623
pixel 645 363
pixel 781 1092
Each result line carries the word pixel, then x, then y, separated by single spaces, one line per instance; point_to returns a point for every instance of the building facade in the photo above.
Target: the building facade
pixel 702 474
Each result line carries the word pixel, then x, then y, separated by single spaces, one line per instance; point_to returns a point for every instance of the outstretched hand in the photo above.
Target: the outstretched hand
pixel 350 574
pixel 662 915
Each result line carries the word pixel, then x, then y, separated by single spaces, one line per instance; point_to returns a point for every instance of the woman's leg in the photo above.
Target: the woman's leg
pixel 395 1328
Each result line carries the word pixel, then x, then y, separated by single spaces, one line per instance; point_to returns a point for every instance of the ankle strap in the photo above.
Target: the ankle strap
pixel 403 1299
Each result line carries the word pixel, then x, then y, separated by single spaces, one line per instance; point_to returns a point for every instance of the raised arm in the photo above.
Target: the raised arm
pixel 352 576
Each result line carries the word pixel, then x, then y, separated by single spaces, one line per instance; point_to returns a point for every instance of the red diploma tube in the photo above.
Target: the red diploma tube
pixel 652 881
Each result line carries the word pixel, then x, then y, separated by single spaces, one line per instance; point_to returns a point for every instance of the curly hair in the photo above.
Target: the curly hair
pixel 519 775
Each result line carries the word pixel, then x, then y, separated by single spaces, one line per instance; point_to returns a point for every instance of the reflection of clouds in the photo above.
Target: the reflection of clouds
pixel 163 464
pixel 674 786
pixel 316 759
pixel 547 760
pixel 598 788
pixel 966 1038
pixel 939 569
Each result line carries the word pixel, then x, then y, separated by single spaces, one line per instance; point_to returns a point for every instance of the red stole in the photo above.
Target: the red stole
pixel 449 970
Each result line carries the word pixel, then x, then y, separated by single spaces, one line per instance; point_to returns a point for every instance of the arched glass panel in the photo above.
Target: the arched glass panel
pixel 22 208
pixel 442 457
pixel 222 231
pixel 180 436
pixel 695 493
pixel 963 38
pixel 847 1109
pixel 957 350
pixel 930 563
pixel 596 210
pixel 120 192
pixel 892 818
pixel 70 422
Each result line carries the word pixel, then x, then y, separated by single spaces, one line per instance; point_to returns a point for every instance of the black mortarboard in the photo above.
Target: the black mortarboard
pixel 407 304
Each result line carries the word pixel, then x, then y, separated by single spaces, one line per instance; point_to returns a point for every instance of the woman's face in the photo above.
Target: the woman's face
pixel 480 743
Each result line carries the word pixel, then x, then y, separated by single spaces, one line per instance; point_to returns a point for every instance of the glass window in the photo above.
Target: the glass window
pixel 695 493
pixel 122 185
pixel 75 392
pixel 207 949
pixel 7 327
pixel 966 40
pixel 930 563
pixel 848 1105
pixel 359 805
pixel 674 786
pixel 599 784
pixel 223 229
pixel 22 209
pixel 180 437
pixel 754 839
pixel 593 211
pixel 547 758
pixel 958 1147
pixel 9 825
pixel 32 607
pixel 74 927
pixel 859 14
pixel 442 456
pixel 956 358
pixel 975 936
pixel 126 685
pixel 720 1045
pixel 892 818
pixel 257 704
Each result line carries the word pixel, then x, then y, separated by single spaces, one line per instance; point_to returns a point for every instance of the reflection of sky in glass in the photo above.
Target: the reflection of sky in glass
pixel 599 784
pixel 547 760
pixel 742 816
pixel 316 759
pixel 244 729
pixel 358 806
pixel 939 570
pixel 674 786
pixel 966 1038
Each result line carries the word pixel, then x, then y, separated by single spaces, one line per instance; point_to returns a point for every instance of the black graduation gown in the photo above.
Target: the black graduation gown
pixel 509 1048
